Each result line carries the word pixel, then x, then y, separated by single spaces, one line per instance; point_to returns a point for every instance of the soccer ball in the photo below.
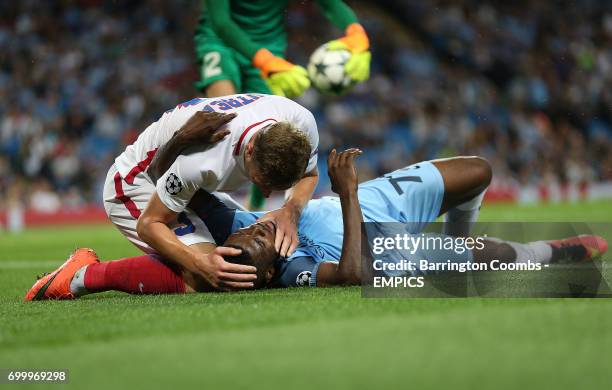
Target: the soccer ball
pixel 326 70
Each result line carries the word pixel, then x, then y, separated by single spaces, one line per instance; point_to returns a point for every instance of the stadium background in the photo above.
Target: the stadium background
pixel 527 85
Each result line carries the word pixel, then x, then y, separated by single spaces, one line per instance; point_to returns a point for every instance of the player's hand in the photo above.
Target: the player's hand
pixel 283 77
pixel 342 172
pixel 356 41
pixel 286 219
pixel 203 128
pixel 222 275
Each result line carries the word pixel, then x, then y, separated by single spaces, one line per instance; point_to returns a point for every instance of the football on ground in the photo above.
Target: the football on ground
pixel 326 70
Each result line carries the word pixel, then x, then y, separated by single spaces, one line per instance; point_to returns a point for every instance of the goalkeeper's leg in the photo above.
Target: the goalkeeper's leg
pixel 219 71
pixel 221 88
pixel 256 199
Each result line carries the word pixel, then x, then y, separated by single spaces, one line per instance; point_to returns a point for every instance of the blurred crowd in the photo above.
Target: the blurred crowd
pixel 78 81
pixel 527 85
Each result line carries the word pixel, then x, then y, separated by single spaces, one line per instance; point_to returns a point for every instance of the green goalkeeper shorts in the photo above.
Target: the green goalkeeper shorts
pixel 219 62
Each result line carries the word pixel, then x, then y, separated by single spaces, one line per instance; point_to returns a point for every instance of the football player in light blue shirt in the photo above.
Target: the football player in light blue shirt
pixel 407 199
pixel 413 196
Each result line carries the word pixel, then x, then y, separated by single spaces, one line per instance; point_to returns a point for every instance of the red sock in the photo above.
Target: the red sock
pixel 134 275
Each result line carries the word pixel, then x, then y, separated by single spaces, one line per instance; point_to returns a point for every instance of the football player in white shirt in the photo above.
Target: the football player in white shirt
pixel 269 140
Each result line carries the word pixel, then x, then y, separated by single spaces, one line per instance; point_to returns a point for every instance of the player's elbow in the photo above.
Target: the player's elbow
pixel 349 276
pixel 143 228
pixel 480 169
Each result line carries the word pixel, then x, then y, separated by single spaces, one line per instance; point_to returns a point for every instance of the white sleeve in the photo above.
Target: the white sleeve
pixel 181 181
pixel 179 115
pixel 308 125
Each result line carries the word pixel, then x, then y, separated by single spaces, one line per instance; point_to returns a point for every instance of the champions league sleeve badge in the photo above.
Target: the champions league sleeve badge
pixel 173 184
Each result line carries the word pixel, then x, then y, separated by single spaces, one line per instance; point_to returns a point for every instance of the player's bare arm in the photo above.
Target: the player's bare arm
pixel 204 259
pixel 343 176
pixel 203 128
pixel 287 217
pixel 153 228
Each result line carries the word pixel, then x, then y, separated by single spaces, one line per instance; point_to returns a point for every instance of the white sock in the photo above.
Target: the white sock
pixel 77 285
pixel 536 251
pixel 460 220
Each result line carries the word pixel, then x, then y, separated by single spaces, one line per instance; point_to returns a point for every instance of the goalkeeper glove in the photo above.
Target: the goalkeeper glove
pixel 283 77
pixel 356 41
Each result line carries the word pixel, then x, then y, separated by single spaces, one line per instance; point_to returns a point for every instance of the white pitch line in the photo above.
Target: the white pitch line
pixel 25 264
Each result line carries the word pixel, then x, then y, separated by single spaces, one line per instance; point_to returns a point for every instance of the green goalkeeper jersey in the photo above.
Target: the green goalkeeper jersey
pixel 230 32
pixel 246 26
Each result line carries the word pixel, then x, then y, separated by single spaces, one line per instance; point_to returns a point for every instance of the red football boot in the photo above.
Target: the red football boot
pixel 578 248
pixel 56 285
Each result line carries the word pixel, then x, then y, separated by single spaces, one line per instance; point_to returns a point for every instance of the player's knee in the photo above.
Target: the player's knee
pixel 481 171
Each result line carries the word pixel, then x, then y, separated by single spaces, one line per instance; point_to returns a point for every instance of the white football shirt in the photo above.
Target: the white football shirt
pixel 220 168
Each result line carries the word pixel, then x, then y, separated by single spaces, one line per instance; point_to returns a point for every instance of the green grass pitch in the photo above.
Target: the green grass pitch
pixel 298 338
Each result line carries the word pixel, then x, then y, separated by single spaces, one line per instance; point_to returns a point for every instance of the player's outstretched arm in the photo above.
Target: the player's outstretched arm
pixel 283 77
pixel 203 128
pixel 343 176
pixel 355 40
pixel 220 16
pixel 153 229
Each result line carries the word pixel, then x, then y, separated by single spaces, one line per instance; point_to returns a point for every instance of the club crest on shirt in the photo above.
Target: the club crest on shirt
pixel 173 184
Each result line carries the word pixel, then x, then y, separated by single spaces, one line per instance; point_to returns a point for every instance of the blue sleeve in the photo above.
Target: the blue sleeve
pixel 214 213
pixel 296 272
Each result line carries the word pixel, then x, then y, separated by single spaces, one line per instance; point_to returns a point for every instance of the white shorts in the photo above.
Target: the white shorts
pixel 125 202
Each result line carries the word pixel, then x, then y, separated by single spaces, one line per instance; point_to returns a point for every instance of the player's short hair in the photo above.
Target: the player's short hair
pixel 281 153
pixel 246 258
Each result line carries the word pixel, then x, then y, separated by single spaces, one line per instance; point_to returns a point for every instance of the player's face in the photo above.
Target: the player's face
pixel 257 240
pixel 255 176
pixel 256 179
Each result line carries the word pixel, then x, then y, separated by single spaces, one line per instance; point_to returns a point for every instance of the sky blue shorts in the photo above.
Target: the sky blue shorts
pixel 412 195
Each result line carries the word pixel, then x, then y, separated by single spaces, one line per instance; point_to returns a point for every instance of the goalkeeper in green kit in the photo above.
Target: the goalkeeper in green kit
pixel 240 45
